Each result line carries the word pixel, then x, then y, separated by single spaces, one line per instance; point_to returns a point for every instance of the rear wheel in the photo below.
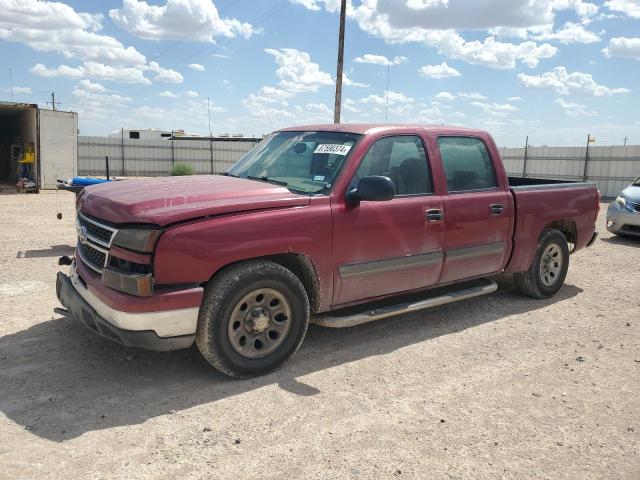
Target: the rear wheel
pixel 548 268
pixel 253 318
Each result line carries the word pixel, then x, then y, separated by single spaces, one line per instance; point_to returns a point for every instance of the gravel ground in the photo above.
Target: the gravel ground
pixel 497 387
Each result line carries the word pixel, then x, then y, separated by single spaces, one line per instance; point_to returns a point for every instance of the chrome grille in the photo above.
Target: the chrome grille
pixel 92 257
pixel 94 241
pixel 98 232
pixel 636 206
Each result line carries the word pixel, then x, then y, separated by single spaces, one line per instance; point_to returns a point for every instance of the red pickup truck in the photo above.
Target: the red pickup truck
pixel 332 224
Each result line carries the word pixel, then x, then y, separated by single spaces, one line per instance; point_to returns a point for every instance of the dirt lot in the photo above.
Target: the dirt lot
pixel 497 387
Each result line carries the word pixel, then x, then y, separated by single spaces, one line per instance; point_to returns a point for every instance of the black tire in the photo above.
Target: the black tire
pixel 221 299
pixel 533 282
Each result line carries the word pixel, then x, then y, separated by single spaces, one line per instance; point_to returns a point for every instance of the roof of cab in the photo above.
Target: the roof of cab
pixel 365 128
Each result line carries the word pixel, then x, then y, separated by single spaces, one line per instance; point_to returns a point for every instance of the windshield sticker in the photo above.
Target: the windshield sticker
pixel 318 178
pixel 332 148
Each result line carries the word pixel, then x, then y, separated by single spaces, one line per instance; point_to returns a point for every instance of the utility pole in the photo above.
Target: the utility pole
pixel 386 111
pixel 210 136
pixel 338 102
pixel 526 154
pixel 590 139
pixel 625 141
pixel 53 100
pixel 209 115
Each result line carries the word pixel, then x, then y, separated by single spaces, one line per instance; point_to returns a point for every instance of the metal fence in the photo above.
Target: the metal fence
pixel 611 168
pixel 152 158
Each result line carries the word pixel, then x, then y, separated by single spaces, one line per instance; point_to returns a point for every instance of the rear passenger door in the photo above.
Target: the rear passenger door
pixel 477 210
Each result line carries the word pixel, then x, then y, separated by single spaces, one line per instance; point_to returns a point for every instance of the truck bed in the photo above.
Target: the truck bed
pixel 532 183
pixel 542 202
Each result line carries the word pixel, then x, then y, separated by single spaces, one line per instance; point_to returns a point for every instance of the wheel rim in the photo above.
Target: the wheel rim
pixel 551 265
pixel 259 323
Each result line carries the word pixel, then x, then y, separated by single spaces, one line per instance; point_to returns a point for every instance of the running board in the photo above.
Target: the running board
pixel 327 320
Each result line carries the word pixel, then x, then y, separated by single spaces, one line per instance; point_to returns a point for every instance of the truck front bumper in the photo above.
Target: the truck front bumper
pixel 129 329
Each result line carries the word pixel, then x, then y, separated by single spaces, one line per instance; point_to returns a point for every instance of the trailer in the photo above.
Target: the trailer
pixel 37 144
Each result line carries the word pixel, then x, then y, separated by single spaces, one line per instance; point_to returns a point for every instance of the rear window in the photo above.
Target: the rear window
pixel 467 164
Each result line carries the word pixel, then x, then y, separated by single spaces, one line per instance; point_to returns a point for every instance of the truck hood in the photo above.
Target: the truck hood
pixel 167 200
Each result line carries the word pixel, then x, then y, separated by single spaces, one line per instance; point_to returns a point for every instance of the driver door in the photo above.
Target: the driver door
pixel 387 247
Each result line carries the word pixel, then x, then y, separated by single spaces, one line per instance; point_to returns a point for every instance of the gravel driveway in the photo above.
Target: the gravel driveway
pixel 497 387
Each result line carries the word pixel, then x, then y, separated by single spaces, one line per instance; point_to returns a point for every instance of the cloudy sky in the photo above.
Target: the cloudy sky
pixel 551 69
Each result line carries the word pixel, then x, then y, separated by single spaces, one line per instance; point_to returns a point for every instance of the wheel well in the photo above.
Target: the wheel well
pixel 301 266
pixel 567 228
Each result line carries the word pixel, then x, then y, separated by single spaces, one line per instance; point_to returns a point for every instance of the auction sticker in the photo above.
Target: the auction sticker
pixel 332 148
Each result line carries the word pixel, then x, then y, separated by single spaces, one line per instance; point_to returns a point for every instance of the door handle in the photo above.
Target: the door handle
pixel 433 215
pixel 496 209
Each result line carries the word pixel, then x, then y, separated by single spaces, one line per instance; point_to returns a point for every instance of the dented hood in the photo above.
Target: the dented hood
pixel 167 200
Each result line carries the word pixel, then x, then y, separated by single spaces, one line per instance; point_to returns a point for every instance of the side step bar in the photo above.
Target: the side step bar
pixel 327 320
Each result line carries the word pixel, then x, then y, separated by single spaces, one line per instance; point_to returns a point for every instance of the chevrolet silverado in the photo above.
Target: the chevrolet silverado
pixel 333 224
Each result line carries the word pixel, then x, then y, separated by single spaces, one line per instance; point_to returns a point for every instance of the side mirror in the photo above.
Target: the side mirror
pixel 373 188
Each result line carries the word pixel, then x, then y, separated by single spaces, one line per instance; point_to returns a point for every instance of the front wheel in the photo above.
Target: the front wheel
pixel 548 268
pixel 254 317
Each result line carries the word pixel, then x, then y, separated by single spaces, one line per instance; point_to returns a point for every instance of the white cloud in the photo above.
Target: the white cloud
pixel 623 47
pixel 566 83
pixel 350 83
pixel 330 5
pixel 313 113
pixel 297 73
pixel 196 20
pixel 19 90
pixel 457 115
pixel 90 86
pixel 496 109
pixel 110 73
pixel 96 106
pixel 191 93
pixel 164 74
pixel 56 27
pixel 374 59
pixel 514 99
pixel 570 33
pixel 574 109
pixel 196 66
pixel 392 97
pixel 61 71
pixel 433 23
pixel 350 106
pixel 471 96
pixel 438 71
pixel 168 94
pixel 474 15
pixel 630 8
pixel 445 97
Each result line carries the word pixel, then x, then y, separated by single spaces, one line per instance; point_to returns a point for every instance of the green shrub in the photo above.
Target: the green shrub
pixel 181 169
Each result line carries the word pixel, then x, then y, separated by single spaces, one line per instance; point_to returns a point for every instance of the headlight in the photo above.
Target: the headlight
pixel 623 203
pixel 138 239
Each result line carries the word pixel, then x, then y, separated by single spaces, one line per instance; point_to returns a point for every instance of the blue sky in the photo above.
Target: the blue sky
pixel 551 69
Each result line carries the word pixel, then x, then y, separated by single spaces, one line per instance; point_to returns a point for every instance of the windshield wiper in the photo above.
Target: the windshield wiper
pixel 267 179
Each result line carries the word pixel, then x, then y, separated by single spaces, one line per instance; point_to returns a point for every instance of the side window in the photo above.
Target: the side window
pixel 403 160
pixel 467 164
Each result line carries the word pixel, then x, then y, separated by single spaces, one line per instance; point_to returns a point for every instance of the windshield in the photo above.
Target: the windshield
pixel 636 182
pixel 306 162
